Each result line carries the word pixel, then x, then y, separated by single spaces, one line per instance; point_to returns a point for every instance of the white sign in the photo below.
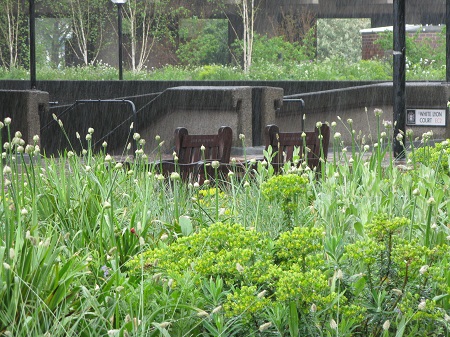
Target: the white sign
pixel 428 117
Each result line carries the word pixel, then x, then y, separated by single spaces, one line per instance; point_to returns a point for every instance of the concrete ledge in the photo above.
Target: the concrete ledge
pixel 351 103
pixel 25 108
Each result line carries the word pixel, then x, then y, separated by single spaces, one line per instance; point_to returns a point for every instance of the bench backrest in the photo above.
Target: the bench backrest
pixel 284 142
pixel 217 147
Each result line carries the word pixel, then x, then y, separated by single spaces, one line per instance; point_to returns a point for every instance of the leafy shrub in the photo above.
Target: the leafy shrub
pixel 436 157
pixel 417 50
pixel 210 46
pixel 394 273
pixel 340 38
pixel 277 50
pixel 214 251
pixel 288 189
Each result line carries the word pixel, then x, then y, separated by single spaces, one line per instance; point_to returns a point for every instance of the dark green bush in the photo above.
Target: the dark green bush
pixel 210 46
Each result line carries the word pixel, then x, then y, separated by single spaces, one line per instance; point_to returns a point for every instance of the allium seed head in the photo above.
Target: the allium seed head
pixel 265 326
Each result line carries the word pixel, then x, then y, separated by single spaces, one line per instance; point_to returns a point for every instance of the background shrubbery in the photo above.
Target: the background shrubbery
pixel 203 54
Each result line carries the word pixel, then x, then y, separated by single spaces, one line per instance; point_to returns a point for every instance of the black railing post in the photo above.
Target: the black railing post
pixel 32 29
pixel 399 80
pixel 447 39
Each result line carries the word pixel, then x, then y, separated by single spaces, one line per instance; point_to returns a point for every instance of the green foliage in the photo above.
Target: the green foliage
pixel 424 59
pixel 335 69
pixel 340 38
pixel 92 247
pixel 418 50
pixel 208 46
pixel 214 251
pixel 302 246
pixel 277 50
pixel 287 189
pixel 433 156
pixel 395 273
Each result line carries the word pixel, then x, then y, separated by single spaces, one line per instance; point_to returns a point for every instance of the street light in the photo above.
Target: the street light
pixel 119 4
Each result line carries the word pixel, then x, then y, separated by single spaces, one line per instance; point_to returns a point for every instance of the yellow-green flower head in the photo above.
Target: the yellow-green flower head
pixel 175 176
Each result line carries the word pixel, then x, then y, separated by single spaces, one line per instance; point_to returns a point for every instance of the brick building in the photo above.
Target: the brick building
pixel 370 49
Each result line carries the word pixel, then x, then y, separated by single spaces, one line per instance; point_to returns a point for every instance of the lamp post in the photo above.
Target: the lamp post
pixel 119 4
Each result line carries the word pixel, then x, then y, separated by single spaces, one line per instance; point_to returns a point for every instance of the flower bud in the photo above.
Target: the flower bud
pixel 265 326
pixel 175 176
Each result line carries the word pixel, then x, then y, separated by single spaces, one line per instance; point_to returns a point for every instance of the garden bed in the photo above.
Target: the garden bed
pixel 91 247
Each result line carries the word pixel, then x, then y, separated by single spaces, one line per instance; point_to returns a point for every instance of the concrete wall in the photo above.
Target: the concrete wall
pixel 24 107
pixel 200 110
pixel 67 92
pixel 351 103
pixel 203 109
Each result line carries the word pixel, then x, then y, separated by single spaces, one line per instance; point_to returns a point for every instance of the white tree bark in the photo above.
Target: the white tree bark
pixel 144 25
pixel 10 25
pixel 81 14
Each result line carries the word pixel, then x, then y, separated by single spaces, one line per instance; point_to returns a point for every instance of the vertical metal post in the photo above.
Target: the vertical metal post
pixel 32 24
pixel 119 23
pixel 399 80
pixel 447 39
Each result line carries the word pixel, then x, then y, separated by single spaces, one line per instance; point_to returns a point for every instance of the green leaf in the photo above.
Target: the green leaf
pixel 439 297
pixel 359 228
pixel 293 319
pixel 186 225
pixel 359 285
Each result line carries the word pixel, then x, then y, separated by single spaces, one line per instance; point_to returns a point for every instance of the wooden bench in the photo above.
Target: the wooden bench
pixel 194 163
pixel 283 143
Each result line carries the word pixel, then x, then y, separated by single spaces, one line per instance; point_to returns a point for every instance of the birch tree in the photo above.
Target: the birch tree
pixel 11 21
pixel 247 10
pixel 88 20
pixel 248 14
pixel 146 23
